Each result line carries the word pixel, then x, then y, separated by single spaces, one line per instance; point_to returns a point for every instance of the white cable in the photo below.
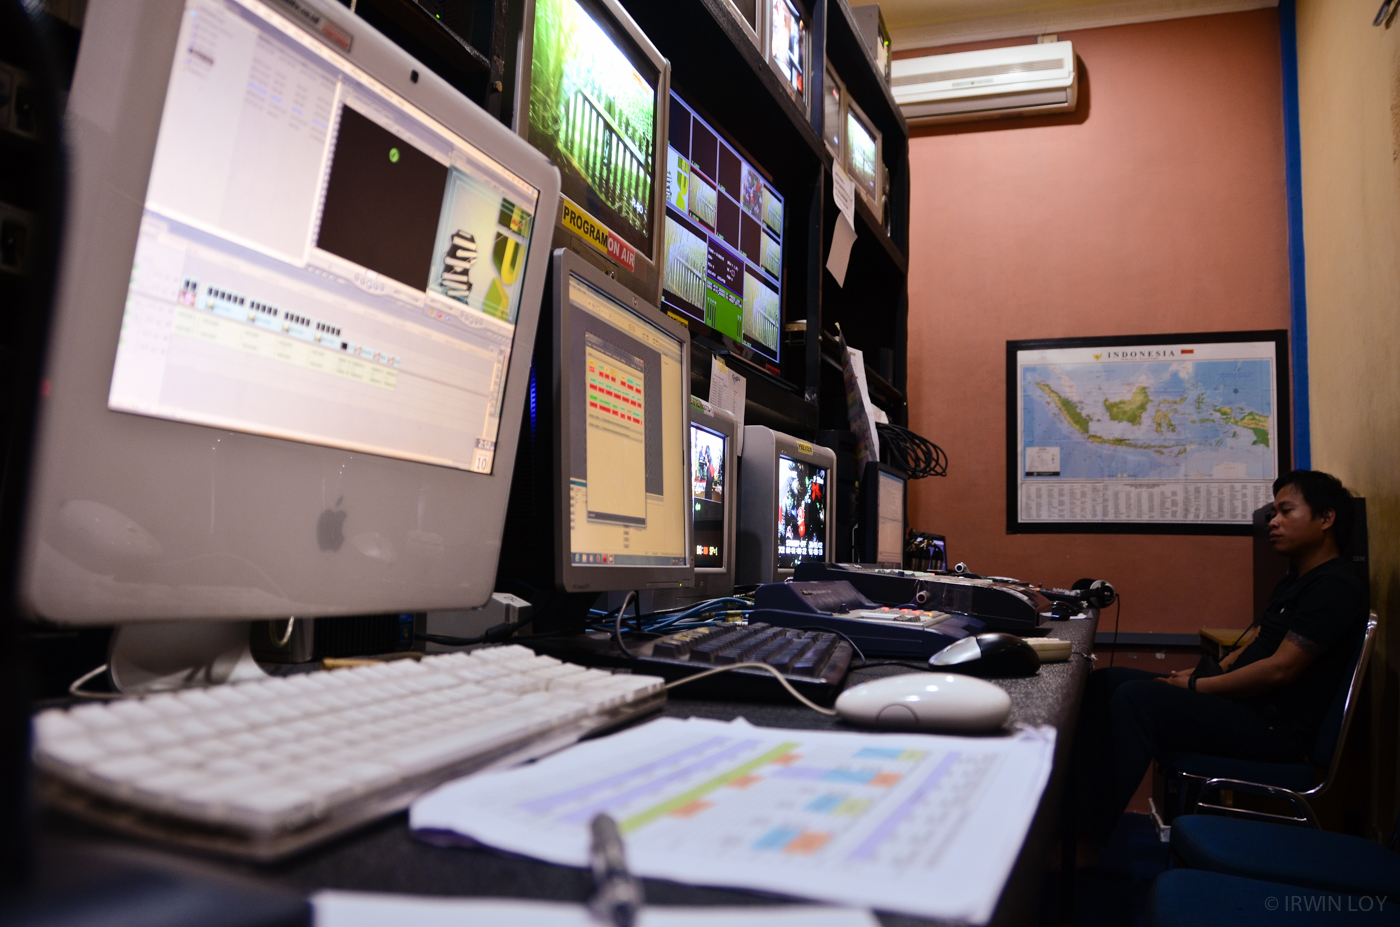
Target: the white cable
pixel 76 690
pixel 282 642
pixel 763 666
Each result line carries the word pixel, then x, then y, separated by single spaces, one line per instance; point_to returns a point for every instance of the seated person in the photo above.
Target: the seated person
pixel 1272 696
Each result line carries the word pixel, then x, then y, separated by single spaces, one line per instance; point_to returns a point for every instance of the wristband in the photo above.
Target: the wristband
pixel 1192 684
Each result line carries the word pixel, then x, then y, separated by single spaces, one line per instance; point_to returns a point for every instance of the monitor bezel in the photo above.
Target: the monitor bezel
pixel 115 109
pixel 645 280
pixel 870 512
pixel 573 577
pixel 731 345
pixel 758 517
pixel 717 581
pixel 751 31
pixel 839 151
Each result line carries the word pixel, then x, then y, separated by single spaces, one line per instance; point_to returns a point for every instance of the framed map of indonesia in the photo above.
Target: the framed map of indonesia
pixel 1163 434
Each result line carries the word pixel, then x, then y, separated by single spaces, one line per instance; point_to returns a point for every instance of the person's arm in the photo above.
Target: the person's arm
pixel 1245 641
pixel 1295 654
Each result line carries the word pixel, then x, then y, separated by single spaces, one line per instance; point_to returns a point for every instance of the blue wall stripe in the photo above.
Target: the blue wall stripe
pixel 1297 277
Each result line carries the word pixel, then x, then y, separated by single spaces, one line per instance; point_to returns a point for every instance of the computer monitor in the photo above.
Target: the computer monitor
pixel 786 514
pixel 789 46
pixel 883 522
pixel 865 157
pixel 714 491
pixel 749 13
pixel 724 239
pixel 591 95
pixel 292 340
pixel 833 111
pixel 602 497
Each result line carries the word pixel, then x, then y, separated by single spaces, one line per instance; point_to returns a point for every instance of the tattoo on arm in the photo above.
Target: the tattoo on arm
pixel 1302 643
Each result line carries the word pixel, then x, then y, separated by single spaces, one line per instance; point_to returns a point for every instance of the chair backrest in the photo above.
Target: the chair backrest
pixel 1327 749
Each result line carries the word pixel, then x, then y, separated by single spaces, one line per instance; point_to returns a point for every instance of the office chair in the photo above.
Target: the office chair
pixel 1292 782
pixel 1299 856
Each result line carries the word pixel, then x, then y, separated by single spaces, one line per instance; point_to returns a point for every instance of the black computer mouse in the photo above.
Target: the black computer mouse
pixel 990 654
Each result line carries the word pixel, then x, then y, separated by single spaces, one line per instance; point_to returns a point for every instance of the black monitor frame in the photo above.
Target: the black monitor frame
pixel 737 347
pixel 579 578
pixel 868 529
pixel 711 582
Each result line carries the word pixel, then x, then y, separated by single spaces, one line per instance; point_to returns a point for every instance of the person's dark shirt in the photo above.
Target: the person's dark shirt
pixel 1326 607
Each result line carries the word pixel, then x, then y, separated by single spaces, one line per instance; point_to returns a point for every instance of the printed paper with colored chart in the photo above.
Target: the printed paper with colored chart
pixel 912 823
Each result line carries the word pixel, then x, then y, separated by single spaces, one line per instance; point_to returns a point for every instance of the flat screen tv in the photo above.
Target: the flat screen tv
pixel 724 239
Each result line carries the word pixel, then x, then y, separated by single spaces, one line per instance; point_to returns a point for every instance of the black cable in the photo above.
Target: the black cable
pixel 916 455
pixel 843 637
pixel 1117 614
pixel 617 625
pixel 492 635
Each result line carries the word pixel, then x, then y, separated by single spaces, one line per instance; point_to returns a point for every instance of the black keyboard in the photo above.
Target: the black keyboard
pixel 815 662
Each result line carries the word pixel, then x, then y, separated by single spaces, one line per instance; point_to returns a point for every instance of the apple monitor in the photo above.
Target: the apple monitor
pixel 592 96
pixel 292 337
pixel 786 515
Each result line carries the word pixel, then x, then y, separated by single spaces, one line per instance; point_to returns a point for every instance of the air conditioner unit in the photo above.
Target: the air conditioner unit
pixel 1022 80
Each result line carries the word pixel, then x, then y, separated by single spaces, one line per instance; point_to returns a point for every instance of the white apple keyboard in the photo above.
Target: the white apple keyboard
pixel 263 769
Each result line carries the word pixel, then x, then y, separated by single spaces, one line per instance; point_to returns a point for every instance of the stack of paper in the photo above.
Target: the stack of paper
pixel 914 823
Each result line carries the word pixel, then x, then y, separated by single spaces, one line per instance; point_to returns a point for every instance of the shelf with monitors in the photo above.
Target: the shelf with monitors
pixel 870 141
pixel 750 74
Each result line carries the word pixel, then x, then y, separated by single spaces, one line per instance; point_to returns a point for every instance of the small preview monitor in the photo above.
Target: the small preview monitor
pixel 748 13
pixel 626 484
pixel 289 347
pixel 788 45
pixel 864 157
pixel 883 515
pixel 714 493
pixel 593 99
pixel 786 516
pixel 833 111
pixel 724 239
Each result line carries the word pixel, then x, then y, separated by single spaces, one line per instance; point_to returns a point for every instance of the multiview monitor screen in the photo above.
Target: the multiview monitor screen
pixel 317 259
pixel 708 482
pixel 593 112
pixel 724 237
pixel 628 402
pixel 802 509
pixel 889 549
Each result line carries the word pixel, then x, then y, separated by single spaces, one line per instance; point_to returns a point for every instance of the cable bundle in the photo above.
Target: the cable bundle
pixel 914 454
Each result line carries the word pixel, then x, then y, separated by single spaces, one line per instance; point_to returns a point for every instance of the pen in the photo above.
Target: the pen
pixel 617 895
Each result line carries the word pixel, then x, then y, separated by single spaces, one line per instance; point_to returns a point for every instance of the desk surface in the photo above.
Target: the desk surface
pixel 385 857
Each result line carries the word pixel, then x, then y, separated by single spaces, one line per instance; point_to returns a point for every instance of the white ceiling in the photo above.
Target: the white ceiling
pixel 924 23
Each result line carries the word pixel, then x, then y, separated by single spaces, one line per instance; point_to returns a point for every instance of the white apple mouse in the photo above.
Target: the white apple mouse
pixel 926 701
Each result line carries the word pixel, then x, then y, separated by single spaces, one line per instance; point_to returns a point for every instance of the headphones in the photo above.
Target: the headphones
pixel 1097 592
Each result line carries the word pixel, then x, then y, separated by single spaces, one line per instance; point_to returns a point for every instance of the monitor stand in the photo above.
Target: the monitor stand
pixel 161 656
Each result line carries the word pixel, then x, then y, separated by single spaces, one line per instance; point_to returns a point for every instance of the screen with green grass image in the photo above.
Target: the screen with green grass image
pixel 593 112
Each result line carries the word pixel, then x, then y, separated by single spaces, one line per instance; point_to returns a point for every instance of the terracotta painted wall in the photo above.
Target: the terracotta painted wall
pixel 1349 116
pixel 1159 207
